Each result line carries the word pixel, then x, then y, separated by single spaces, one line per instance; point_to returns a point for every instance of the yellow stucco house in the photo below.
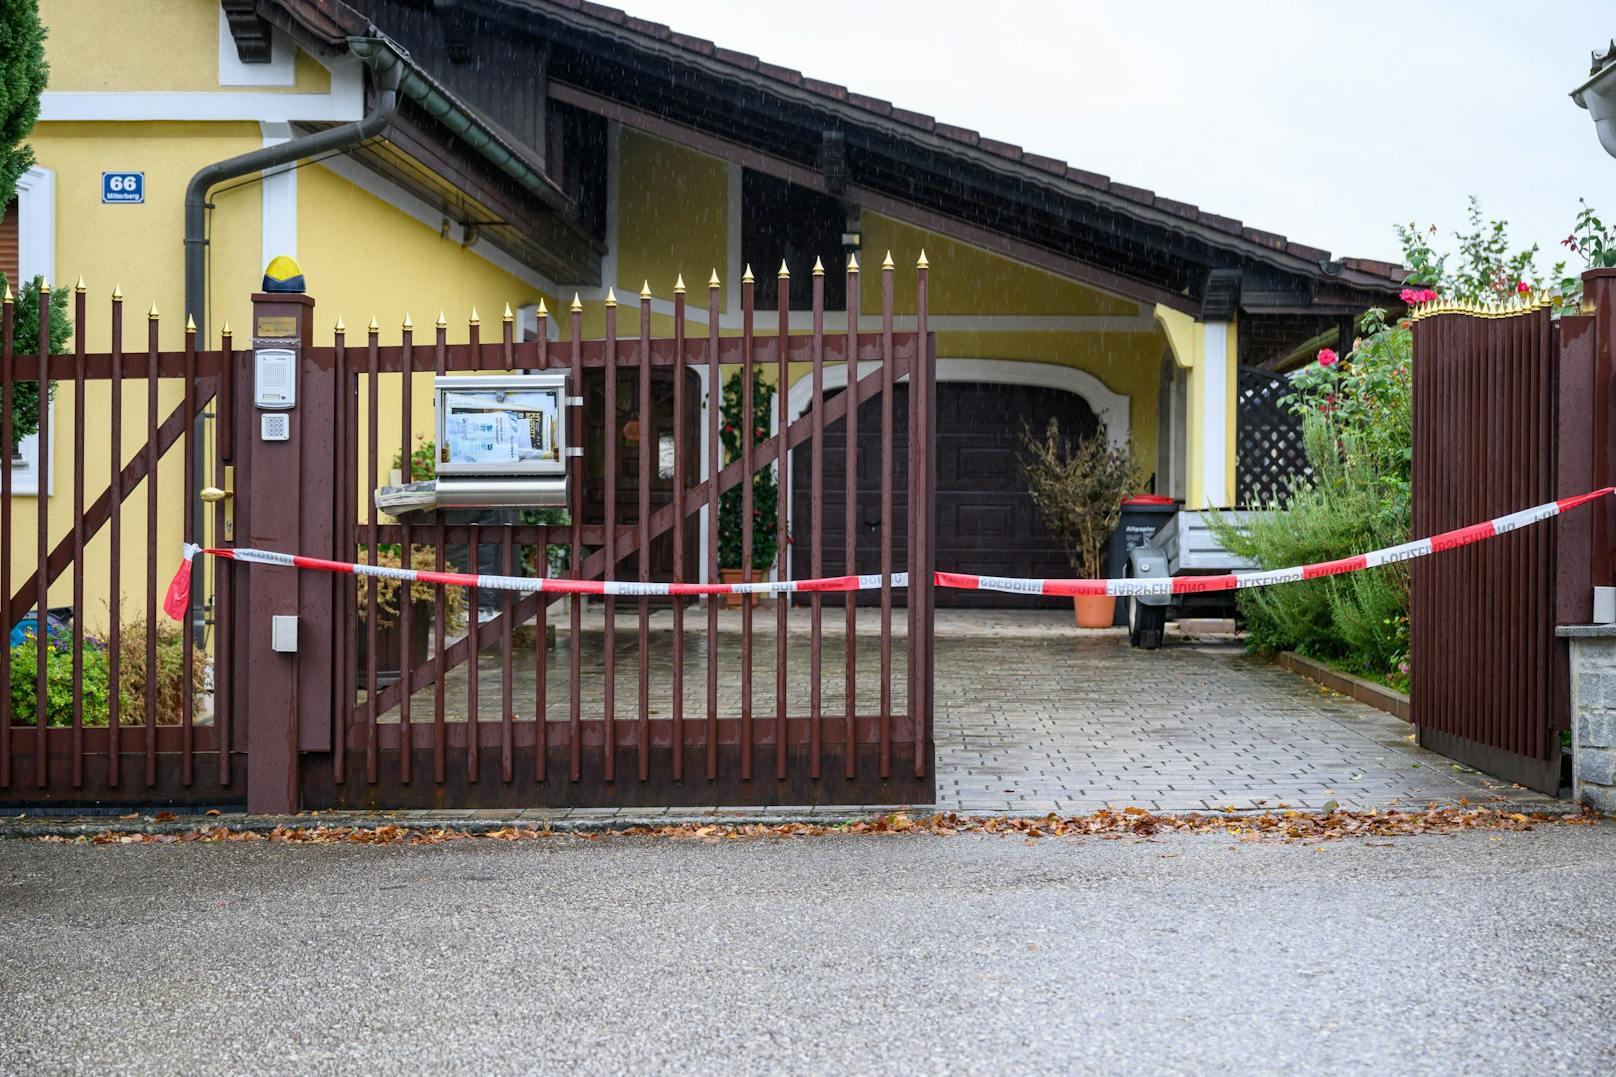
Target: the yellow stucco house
pixel 493 152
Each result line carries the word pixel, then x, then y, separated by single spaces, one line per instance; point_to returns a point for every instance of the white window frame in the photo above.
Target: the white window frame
pixel 36 257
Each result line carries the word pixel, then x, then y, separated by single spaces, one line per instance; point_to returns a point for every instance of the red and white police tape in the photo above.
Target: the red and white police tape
pixel 179 590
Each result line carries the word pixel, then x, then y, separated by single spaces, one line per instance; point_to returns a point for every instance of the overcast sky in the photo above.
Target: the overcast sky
pixel 1327 122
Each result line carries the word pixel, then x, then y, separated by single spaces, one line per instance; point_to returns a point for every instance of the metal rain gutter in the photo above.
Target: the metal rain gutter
pixel 384 58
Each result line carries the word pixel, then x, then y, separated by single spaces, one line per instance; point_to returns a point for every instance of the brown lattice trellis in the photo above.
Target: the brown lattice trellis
pixel 1269 439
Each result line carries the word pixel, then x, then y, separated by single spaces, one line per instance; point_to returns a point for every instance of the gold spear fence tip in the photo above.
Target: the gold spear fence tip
pixel 819 268
pixel 921 263
pixel 443 319
pixel 645 290
pixel 507 316
pixel 887 263
pixel 8 297
pixel 150 314
pixel 190 324
pixel 679 285
pixel 747 278
pixel 577 303
pixel 117 293
pixel 784 272
pixel 44 285
pixel 79 287
pixel 712 281
pixel 224 330
pixel 374 326
pixel 409 323
pixel 852 263
pixel 474 319
pixel 611 296
pixel 339 328
pixel 544 311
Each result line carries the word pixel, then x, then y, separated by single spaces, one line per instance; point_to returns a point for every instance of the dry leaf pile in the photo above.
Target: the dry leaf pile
pixel 1296 826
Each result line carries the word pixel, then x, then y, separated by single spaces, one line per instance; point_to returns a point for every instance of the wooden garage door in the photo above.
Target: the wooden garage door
pixel 985 519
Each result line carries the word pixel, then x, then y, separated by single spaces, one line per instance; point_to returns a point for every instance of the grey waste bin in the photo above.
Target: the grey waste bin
pixel 1142 516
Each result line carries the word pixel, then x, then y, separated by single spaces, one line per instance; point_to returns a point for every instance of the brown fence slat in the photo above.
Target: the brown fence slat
pixel 188 528
pixel 715 394
pixel 79 441
pixel 440 608
pixel 153 457
pixel 748 469
pixel 782 501
pixel 406 603
pixel 887 381
pixel 609 420
pixel 42 466
pixel 1490 429
pixel 816 528
pixel 642 527
pixel 114 512
pixel 850 516
pixel 6 374
pixel 678 530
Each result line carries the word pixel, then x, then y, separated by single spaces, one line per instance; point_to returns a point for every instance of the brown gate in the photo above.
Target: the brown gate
pixel 638 701
pixel 633 704
pixel 1511 409
pixel 112 711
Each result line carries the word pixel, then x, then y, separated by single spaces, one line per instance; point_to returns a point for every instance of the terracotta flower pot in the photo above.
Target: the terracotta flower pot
pixel 734 575
pixel 1094 611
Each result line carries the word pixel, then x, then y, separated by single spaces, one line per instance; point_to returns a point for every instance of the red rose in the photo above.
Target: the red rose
pixel 1523 288
pixel 1327 357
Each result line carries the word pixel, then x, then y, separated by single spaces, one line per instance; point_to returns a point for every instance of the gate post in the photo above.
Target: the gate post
pixel 289 490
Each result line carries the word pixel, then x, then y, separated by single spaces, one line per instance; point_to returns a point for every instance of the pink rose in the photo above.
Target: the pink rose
pixel 1327 357
pixel 1523 288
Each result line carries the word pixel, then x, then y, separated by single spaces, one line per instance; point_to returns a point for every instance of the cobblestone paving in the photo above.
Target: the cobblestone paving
pixel 1034 716
pixel 1070 722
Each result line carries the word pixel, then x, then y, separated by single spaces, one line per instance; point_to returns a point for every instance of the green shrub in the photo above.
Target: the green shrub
pixel 765 489
pixel 58 683
pixel 97 667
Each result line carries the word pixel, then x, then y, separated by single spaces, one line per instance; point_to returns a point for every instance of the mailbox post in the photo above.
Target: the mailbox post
pixel 290 504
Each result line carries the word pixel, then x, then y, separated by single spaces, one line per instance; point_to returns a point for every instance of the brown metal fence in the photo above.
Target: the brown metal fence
pixel 129 735
pixel 1504 418
pixel 433 735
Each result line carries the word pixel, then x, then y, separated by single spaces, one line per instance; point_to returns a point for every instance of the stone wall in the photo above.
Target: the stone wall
pixel 1593 713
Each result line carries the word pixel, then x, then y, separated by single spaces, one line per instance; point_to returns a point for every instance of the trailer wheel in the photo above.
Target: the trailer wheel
pixel 1145 622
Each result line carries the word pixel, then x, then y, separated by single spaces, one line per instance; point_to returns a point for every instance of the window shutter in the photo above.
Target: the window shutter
pixel 8 244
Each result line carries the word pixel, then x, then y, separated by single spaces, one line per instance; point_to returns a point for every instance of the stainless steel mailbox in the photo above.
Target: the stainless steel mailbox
pixel 502 441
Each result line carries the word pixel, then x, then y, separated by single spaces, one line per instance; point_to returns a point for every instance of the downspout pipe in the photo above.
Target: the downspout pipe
pixel 196 193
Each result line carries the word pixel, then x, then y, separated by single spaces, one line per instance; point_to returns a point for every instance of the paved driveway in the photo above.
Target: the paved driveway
pixel 1034 716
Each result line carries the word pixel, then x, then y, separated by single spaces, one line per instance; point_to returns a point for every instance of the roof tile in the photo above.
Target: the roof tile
pixel 959 134
pixel 921 121
pixel 1134 194
pixel 1089 179
pixel 1003 149
pixel 744 60
pixel 828 89
pixel 1179 209
pixel 784 74
pixel 873 104
pixel 601 11
pixel 1267 239
pixel 917 119
pixel 1044 164
pixel 694 44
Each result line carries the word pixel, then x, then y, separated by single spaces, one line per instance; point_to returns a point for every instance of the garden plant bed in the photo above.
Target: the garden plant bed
pixel 1362 689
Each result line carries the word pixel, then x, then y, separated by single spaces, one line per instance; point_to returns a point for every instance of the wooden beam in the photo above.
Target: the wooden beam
pixel 874 201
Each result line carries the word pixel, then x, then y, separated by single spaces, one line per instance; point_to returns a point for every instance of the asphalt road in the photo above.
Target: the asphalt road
pixel 1466 954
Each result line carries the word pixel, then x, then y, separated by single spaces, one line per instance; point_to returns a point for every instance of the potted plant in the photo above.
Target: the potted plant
pixel 389 625
pixel 765 491
pixel 1077 486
